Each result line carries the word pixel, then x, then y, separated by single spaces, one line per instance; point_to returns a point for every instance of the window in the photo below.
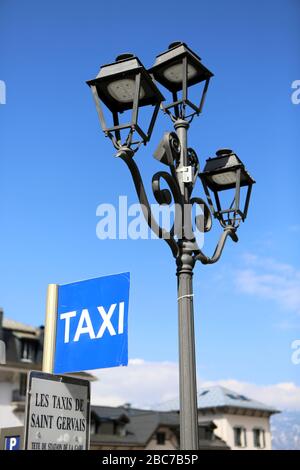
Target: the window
pixel 161 438
pixel 205 432
pixel 240 439
pixel 28 350
pixel 259 438
pixel 237 397
pixel 120 429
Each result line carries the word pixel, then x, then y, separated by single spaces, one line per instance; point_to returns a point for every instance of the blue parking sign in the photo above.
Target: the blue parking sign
pixel 92 324
pixel 12 443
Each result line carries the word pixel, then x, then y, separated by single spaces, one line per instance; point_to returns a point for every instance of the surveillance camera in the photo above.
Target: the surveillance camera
pixel 168 150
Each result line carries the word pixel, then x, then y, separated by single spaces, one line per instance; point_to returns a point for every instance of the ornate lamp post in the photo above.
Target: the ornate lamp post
pixel 126 85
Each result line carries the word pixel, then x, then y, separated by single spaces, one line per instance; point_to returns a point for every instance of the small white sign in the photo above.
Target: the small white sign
pixel 57 413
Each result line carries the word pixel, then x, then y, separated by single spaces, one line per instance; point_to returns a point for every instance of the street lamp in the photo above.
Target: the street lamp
pixel 126 85
pixel 224 172
pixel 177 69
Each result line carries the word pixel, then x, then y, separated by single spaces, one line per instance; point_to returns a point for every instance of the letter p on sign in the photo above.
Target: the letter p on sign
pixel 12 443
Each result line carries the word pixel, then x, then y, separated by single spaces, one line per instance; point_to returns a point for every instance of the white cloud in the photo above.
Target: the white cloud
pixel 141 384
pixel 155 385
pixel 269 279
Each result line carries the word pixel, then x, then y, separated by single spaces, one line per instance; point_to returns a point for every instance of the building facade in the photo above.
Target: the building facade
pixel 125 428
pixel 111 428
pixel 243 423
pixel 23 350
pixel 227 420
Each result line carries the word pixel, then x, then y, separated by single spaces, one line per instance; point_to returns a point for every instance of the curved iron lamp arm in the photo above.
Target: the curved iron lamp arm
pixel 199 255
pixel 162 196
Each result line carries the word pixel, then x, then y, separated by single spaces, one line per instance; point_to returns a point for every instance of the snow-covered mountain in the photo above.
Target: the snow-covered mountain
pixel 285 429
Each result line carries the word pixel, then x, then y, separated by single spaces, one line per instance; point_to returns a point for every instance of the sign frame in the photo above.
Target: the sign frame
pixel 62 379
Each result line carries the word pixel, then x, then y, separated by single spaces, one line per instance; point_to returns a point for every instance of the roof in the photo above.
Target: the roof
pixel 110 413
pixel 25 335
pixel 141 426
pixel 167 418
pixel 17 326
pixel 219 397
pixel 143 423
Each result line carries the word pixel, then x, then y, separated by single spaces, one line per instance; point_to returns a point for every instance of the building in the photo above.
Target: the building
pixel 22 346
pixel 111 428
pixel 226 419
pixel 23 352
pixel 125 428
pixel 241 422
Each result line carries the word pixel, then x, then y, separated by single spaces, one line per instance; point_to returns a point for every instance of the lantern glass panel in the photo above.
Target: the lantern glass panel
pixel 174 73
pixel 224 178
pixel 123 90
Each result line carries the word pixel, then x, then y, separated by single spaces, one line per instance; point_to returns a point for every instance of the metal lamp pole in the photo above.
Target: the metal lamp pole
pixel 126 85
pixel 187 358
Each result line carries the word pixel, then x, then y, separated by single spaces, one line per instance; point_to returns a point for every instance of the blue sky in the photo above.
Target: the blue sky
pixel 56 167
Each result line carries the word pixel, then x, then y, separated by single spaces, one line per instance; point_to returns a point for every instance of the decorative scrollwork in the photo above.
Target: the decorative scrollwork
pixel 182 227
pixel 162 196
pixel 166 196
pixel 192 158
pixel 203 221
pixel 193 161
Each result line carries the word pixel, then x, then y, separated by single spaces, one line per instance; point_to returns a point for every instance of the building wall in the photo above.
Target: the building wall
pixel 16 336
pixel 7 416
pixel 220 421
pixel 227 422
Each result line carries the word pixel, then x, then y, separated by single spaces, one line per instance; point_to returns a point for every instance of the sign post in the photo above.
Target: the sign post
pixel 50 328
pixel 57 413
